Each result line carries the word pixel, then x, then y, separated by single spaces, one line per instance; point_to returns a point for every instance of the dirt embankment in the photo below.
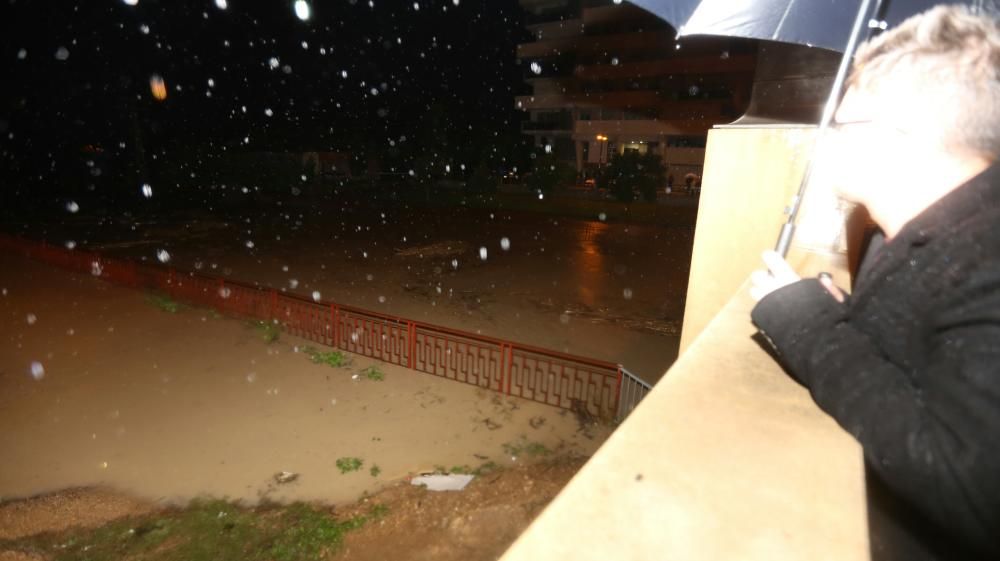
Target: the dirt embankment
pixel 478 523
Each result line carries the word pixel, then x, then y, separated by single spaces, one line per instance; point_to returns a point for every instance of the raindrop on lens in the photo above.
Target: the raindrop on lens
pixel 505 244
pixel 221 4
pixel 602 217
pixel 302 10
pixel 72 206
pixel 147 190
pixel 536 68
pixel 62 53
pixel 627 293
pixel 482 253
pixel 70 244
pixel 454 263
pixel 381 299
pixel 32 318
pixel 316 296
pixel 37 370
pixel 163 256
pixel 249 244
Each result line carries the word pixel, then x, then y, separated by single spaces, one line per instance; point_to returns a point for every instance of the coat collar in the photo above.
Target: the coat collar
pixel 979 193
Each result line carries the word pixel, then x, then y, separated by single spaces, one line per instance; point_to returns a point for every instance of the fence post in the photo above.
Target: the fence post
pixel 411 335
pixel 510 362
pixel 503 367
pixel 335 343
pixel 618 391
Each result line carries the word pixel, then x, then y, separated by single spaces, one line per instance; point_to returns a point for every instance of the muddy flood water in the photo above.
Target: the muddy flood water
pixel 611 291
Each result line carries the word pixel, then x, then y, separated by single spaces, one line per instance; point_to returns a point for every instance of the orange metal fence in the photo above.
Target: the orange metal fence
pixel 550 377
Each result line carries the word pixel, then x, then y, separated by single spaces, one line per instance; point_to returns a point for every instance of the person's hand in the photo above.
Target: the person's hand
pixel 778 274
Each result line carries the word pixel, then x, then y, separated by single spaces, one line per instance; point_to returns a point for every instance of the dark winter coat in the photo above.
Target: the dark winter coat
pixel 910 365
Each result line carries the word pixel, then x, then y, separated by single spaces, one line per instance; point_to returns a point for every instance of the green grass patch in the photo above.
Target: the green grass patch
pixel 335 359
pixel 163 303
pixel 525 448
pixel 205 530
pixel 267 330
pixel 349 464
pixel 375 470
pixel 373 373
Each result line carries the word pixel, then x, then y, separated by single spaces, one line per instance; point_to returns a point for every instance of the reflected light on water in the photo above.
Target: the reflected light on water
pixel 590 269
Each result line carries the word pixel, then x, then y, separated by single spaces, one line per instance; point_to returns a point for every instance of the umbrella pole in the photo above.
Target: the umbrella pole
pixel 788 229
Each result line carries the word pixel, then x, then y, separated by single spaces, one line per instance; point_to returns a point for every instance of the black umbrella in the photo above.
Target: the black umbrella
pixel 837 25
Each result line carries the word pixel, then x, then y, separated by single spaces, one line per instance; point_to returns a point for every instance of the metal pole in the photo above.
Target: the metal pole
pixel 788 229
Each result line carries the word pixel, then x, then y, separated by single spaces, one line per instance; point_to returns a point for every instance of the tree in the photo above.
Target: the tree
pixel 632 173
pixel 550 173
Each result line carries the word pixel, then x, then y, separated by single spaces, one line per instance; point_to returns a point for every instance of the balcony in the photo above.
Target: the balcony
pixel 740 64
pixel 547 125
pixel 652 41
pixel 622 100
pixel 641 130
pixel 727 457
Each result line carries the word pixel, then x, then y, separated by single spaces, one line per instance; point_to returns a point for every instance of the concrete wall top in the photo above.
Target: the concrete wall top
pixel 726 458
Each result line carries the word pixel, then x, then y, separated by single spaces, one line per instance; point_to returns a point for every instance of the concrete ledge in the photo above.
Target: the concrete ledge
pixel 727 458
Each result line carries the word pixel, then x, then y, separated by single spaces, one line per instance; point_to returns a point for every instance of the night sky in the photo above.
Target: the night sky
pixel 252 76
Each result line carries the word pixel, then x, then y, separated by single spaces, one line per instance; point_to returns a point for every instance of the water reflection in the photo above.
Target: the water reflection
pixel 589 268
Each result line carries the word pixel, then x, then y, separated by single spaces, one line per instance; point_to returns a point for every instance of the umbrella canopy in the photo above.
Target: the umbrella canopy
pixel 818 23
pixel 831 24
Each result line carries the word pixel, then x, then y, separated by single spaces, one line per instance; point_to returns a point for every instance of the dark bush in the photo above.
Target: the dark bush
pixel 632 174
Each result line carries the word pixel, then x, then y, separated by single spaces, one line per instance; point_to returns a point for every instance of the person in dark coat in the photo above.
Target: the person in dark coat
pixel 909 363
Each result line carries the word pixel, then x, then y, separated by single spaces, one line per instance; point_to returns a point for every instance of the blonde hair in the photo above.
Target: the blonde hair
pixel 949 55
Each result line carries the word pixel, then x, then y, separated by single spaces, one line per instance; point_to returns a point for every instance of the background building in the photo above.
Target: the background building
pixel 608 77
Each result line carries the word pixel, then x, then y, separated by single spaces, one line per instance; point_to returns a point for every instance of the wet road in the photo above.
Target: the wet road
pixel 605 290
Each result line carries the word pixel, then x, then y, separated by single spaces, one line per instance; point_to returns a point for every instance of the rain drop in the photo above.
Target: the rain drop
pixel 131 2
pixel 381 299
pixel 316 296
pixel 147 190
pixel 627 293
pixel 293 283
pixel 70 244
pixel 72 207
pixel 163 256
pixel 482 253
pixel 454 263
pixel 62 53
pixel 302 10
pixel 505 244
pixel 37 370
pixel 268 112
pixel 536 68
pixel 221 4
pixel 602 217
pixel 250 244
pixel 32 318
pixel 22 54
pixel 273 63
